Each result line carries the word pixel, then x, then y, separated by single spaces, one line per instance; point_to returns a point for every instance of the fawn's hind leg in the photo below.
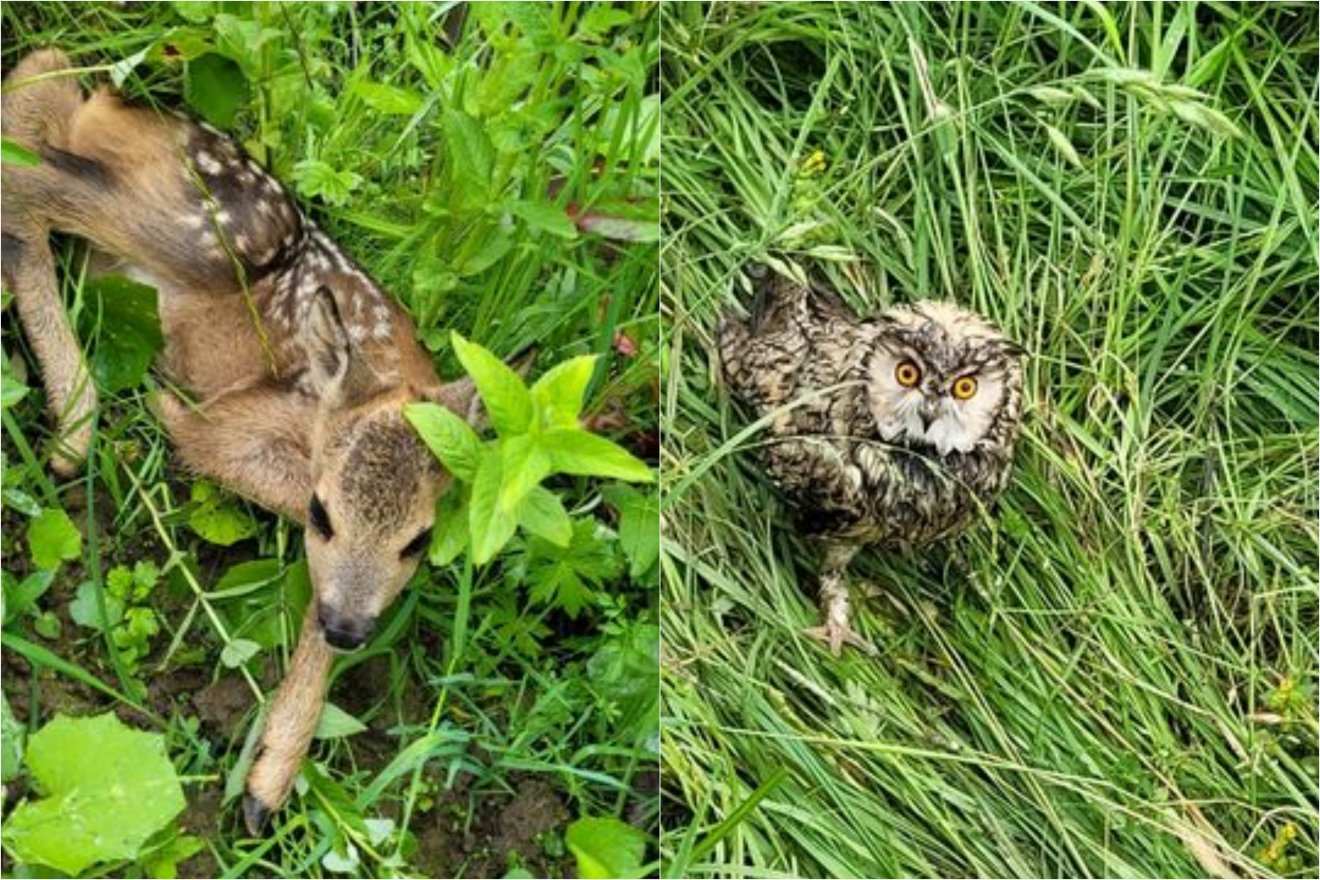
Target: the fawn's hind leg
pixel 29 273
pixel 38 107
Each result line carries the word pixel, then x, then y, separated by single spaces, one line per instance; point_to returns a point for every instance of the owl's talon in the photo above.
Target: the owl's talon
pixel 836 636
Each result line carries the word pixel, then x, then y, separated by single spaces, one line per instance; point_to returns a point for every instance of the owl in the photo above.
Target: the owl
pixel 895 430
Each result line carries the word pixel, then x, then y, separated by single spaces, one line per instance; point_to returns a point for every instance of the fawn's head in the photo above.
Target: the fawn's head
pixel 374 483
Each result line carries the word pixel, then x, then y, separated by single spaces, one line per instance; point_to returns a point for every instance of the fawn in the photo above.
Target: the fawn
pixel 299 364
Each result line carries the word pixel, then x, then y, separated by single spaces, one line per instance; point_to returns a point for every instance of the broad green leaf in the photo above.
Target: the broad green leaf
pixel 525 466
pixel 544 217
pixel 196 11
pixel 12 154
pixel 639 527
pixel 53 538
pixel 558 395
pixel 450 537
pixel 490 526
pixel 583 454
pixel 12 734
pixel 108 788
pixel 215 87
pixel 506 398
pixel 217 519
pixel 314 178
pixel 335 723
pixel 85 609
pixel 543 514
pixel 606 847
pixel 448 436
pixel 124 321
pixel 387 99
pixel 238 652
pixel 469 157
pixel 333 798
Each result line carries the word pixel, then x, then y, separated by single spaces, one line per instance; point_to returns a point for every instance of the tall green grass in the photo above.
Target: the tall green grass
pixel 1116 676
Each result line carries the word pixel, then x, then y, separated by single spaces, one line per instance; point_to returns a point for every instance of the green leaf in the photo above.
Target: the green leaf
pixel 525 466
pixel 491 527
pixel 557 396
pixel 125 324
pixel 506 398
pixel 606 847
pixel 238 652
pixel 216 519
pixel 315 178
pixel 108 789
pixel 448 436
pixel 470 158
pixel 11 391
pixel 20 598
pixel 215 88
pixel 583 454
pixel 450 537
pixel 12 733
pixel 336 723
pixel 543 514
pixel 639 528
pixel 544 217
pixel 12 154
pixel 122 68
pixel 163 864
pixel 387 99
pixel 47 625
pixel 53 538
pixel 85 609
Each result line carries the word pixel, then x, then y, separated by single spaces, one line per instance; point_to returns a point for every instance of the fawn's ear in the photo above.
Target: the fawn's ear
pixel 461 397
pixel 334 364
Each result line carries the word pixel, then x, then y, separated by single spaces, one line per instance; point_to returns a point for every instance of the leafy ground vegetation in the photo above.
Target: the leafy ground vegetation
pixel 1117 675
pixel 496 167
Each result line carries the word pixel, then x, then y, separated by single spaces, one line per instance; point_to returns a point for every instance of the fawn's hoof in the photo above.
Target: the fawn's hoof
pixel 256 815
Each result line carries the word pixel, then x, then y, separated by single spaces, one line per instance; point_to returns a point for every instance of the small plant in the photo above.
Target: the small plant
pixel 538 436
pixel 124 610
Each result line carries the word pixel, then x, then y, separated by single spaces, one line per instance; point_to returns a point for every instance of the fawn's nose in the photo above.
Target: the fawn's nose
pixel 344 632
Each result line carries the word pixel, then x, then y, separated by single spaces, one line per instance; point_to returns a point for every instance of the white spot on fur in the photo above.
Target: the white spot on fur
pixel 381 331
pixel 357 333
pixel 207 162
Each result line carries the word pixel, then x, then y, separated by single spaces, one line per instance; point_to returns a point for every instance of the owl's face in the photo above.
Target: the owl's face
pixel 940 377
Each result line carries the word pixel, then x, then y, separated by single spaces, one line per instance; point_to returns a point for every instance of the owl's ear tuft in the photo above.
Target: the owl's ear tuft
pixel 1009 348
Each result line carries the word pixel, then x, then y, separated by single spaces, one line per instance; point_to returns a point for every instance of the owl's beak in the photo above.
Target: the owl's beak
pixel 927 414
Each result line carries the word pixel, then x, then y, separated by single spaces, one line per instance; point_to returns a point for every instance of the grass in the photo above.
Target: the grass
pixel 1116 676
pixel 496 167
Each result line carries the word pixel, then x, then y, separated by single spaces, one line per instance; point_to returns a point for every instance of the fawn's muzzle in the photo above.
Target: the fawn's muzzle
pixel 344 632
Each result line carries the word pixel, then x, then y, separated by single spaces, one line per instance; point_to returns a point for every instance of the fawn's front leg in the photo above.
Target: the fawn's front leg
pixel 290 725
pixel 253 441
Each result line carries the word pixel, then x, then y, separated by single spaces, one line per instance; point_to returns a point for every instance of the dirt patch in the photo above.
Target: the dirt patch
pixel 223 705
pixel 481 834
pixel 202 818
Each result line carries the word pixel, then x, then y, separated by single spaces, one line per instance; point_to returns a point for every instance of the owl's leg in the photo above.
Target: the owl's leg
pixel 835 605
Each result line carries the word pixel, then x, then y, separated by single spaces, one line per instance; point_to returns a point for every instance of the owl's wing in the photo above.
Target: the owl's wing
pixel 817 475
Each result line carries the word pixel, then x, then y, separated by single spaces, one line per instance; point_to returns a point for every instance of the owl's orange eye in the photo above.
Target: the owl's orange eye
pixel 907 374
pixel 964 387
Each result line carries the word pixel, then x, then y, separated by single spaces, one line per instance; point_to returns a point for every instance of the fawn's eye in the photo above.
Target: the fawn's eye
pixel 417 544
pixel 319 519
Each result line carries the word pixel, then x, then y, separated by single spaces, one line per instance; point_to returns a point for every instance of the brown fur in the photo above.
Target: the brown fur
pixel 298 365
